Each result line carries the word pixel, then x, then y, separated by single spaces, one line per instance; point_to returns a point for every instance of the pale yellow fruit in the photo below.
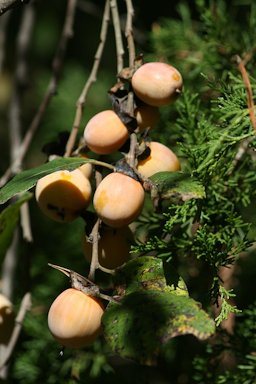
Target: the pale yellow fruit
pixel 86 168
pixel 105 133
pixel 118 199
pixel 146 116
pixel 161 159
pixel 157 83
pixel 63 195
pixel 74 318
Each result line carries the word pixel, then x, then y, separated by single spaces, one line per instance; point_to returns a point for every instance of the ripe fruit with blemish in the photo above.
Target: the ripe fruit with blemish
pixel 63 195
pixel 118 199
pixel 157 83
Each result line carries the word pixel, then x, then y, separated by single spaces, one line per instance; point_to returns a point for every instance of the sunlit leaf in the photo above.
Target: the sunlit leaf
pixel 148 272
pixel 177 186
pixel 25 180
pixel 146 320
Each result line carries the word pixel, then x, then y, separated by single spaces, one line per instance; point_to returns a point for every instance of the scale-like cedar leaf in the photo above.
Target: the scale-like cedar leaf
pixel 25 180
pixel 177 186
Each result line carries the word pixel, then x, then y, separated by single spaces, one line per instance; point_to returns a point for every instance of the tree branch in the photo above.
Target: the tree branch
pixel 244 144
pixel 6 5
pixel 24 307
pixel 91 79
pixel 129 32
pixel 3 29
pixel 248 89
pixel 51 89
pixel 118 35
pixel 130 102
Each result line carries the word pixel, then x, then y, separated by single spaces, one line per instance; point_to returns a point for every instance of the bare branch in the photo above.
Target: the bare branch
pixel 248 89
pixel 130 103
pixel 3 28
pixel 245 144
pixel 23 41
pixel 6 5
pixel 118 35
pixel 227 276
pixel 129 32
pixel 21 72
pixel 51 89
pixel 94 238
pixel 24 307
pixel 92 9
pixel 11 258
pixel 91 79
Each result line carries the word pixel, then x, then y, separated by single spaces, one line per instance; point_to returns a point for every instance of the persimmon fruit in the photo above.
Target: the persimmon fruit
pixel 157 83
pixel 63 195
pixel 118 199
pixel 161 158
pixel 74 318
pixel 105 133
pixel 86 168
pixel 147 116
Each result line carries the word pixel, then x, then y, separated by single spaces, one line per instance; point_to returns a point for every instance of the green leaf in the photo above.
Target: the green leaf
pixel 25 180
pixel 177 186
pixel 146 320
pixel 154 308
pixel 8 221
pixel 148 272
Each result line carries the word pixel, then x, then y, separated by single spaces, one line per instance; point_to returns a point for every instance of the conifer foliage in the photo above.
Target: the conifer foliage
pixel 146 204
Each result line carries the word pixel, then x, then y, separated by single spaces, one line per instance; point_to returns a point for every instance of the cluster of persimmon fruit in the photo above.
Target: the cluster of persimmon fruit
pixel 74 318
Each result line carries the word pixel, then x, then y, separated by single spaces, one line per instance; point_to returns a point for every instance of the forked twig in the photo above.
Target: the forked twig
pixel 91 79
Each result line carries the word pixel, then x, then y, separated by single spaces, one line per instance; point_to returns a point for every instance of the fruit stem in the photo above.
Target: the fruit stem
pixel 78 281
pixel 83 284
pixel 100 163
pixel 106 270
